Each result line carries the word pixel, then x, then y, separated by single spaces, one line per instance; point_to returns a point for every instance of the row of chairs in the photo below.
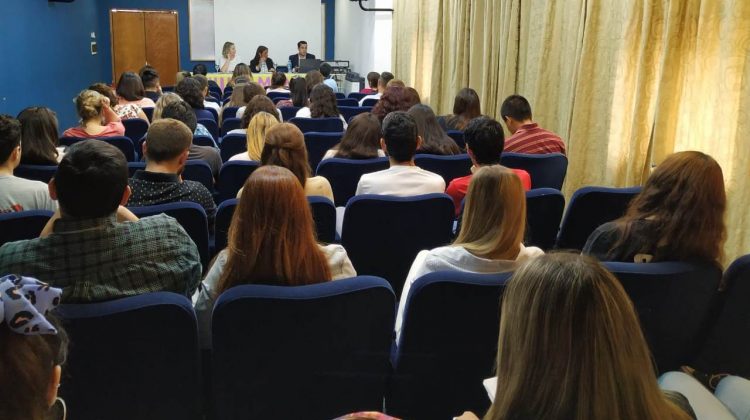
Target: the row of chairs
pixel 324 350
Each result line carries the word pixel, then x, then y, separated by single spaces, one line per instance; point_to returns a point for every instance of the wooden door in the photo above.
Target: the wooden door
pixel 163 44
pixel 128 40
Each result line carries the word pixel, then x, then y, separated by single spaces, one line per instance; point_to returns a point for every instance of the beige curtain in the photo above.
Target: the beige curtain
pixel 624 83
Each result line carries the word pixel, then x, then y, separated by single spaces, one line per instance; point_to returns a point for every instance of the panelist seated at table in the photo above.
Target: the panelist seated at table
pixel 261 63
pixel 301 55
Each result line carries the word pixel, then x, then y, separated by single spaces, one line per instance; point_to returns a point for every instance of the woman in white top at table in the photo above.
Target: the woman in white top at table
pixel 492 229
pixel 229 53
pixel 322 105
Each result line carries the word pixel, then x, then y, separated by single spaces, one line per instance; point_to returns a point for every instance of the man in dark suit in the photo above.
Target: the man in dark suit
pixel 301 54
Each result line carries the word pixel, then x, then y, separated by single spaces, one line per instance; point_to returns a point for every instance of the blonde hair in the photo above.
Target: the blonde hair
pixel 89 104
pixel 570 347
pixel 167 98
pixel 256 133
pixel 494 214
pixel 225 49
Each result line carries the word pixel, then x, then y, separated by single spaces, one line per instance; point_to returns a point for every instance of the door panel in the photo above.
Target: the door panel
pixel 162 44
pixel 128 39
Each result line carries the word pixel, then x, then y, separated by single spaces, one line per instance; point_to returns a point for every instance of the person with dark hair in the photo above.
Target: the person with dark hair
pixel 252 90
pixel 372 83
pixel 383 80
pixel 325 70
pixel 400 142
pixel 298 89
pixel 151 84
pixel 312 79
pixel 261 63
pixel 434 139
pixel 39 134
pixel 278 83
pixel 395 98
pixel 130 91
pixel 190 91
pixel 93 248
pixel 200 69
pixel 125 110
pixel 322 105
pixel 302 54
pixel 167 148
pixel 526 135
pixel 466 106
pixel 204 91
pixel 484 143
pixel 260 103
pixel 18 194
pixel 182 112
pixel 98 119
pixel 361 139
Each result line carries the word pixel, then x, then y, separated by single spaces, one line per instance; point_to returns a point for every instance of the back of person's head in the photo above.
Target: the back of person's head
pixel 149 77
pixel 226 48
pixel 190 91
pixel 105 90
pixel 200 69
pixel 250 90
pixel 256 133
pixel 372 79
pixel 485 139
pixel 89 104
pixel 385 77
pixel 164 100
pixel 259 103
pixel 180 111
pixel 325 70
pixel 91 179
pixel 298 89
pixel 361 139
pixel 271 237
pixel 494 216
pixel 10 136
pixel 130 87
pixel 400 136
pixel 202 80
pixel 411 98
pixel 466 104
pixel 686 199
pixel 516 107
pixel 39 134
pixel 323 102
pixel 237 99
pixel 396 82
pixel 600 362
pixel 182 74
pixel 434 139
pixel 394 98
pixel 278 79
pixel 241 70
pixel 285 146
pixel 167 139
pixel 312 79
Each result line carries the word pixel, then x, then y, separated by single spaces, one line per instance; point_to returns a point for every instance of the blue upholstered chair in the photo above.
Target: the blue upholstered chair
pixel 383 234
pixel 344 174
pixel 229 112
pixel 449 167
pixel 36 172
pixel 232 177
pixel 340 95
pixel 135 166
pixel 211 126
pixel 224 213
pixel 229 124
pixel 317 145
pixel 356 95
pixel 546 171
pixel 347 102
pixel 316 351
pixel 327 125
pixel 135 128
pixel 149 111
pixel 231 145
pixel 288 112
pixel 274 95
pixel 544 209
pixel 214 114
pixel 198 170
pixel 203 140
pixel 370 102
pixel 121 142
pixel 458 137
pixel 589 208
pixel 324 215
pixel 447 345
pixel 203 114
pixel 22 225
pixel 350 112
pixel 132 358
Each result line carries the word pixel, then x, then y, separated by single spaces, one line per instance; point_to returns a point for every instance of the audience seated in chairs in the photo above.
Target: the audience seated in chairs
pixel 526 135
pixel 298 90
pixel 98 119
pixel 259 103
pixel 167 148
pixel 18 194
pixel 203 80
pixel 278 83
pixel 256 136
pixel 383 79
pixel 361 139
pixel 466 107
pixel 123 110
pixel 322 105
pixel 130 90
pixel 601 363
pixel 434 139
pixel 240 74
pixel 190 91
pixel 400 142
pixel 33 350
pixel 395 98
pixel 241 95
pixel 39 134
pixel 271 241
pixel 95 250
pixel 484 144
pixel 678 216
pixel 491 235
pixel 151 84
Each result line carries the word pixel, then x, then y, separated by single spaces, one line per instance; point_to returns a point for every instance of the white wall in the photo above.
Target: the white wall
pixel 364 38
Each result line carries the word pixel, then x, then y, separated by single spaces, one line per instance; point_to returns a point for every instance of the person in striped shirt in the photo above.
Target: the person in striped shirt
pixel 526 135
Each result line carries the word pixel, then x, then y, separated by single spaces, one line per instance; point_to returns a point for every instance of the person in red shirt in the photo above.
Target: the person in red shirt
pixel 485 141
pixel 526 135
pixel 372 83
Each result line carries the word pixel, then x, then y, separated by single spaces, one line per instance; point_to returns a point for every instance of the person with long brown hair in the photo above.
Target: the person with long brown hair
pixel 360 141
pixel 491 235
pixel 466 106
pixel 322 105
pixel 678 216
pixel 570 347
pixel 39 134
pixel 395 98
pixel 434 139
pixel 271 241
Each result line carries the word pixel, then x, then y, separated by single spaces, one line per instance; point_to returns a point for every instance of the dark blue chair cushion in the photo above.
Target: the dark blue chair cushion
pixel 449 167
pixel 544 209
pixel 21 225
pixel 344 174
pixel 328 125
pixel 232 177
pixel 318 144
pixel 41 173
pixel 546 171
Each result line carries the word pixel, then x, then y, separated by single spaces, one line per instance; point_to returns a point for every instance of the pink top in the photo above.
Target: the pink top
pixel 115 128
pixel 143 102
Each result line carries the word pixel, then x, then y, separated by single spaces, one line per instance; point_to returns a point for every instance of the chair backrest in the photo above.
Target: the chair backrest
pixel 211 126
pixel 278 99
pixel 167 88
pixel 383 234
pixel 21 225
pixel 232 177
pixel 324 215
pixel 356 95
pixel 546 171
pixel 135 128
pixel 229 112
pixel 203 114
pixel 230 124
pixel 347 102
pixel 36 172
pixel 231 145
pixel 135 166
pixel 344 174
pixel 673 300
pixel 350 112
pixel 223 220
pixel 728 342
pixel 214 113
pixel 123 143
pixel 273 95
pixel 340 95
pixel 191 216
pixel 203 140
pixel 447 345
pixel 215 90
pixel 589 208
pixel 198 170
pixel 449 167
pixel 544 209
pixel 149 111
pixel 314 351
pixel 327 125
pixel 147 343
pixel 288 112
pixel 318 144
pixel 370 102
pixel 458 137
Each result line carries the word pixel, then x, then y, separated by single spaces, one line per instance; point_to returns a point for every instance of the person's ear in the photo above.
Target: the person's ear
pixel 382 146
pixel 52 188
pixel 126 195
pixel 419 142
pixel 54 383
pixel 471 154
pixel 184 157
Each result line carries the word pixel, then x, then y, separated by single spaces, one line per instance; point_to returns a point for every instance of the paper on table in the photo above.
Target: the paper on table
pixel 490 384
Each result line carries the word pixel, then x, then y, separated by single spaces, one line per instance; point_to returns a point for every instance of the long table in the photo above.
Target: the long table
pixel 263 79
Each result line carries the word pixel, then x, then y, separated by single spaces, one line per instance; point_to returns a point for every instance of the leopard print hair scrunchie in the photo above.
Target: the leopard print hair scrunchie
pixel 24 302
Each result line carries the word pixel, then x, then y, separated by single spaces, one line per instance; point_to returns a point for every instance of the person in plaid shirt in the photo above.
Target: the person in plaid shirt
pixel 96 250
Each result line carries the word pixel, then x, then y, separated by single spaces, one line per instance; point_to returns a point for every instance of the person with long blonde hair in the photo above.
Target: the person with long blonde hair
pixel 271 241
pixel 570 347
pixel 491 235
pixel 256 136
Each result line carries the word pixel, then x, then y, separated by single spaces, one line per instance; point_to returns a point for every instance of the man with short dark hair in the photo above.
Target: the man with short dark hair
pixel 181 111
pixel 526 135
pixel 302 54
pixel 201 69
pixel 87 251
pixel 404 178
pixel 383 80
pixel 166 148
pixel 151 84
pixel 484 143
pixel 204 91
pixel 372 83
pixel 325 70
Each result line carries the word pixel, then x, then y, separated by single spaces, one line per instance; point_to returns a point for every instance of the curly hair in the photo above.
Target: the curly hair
pixel 190 91
pixel 395 98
